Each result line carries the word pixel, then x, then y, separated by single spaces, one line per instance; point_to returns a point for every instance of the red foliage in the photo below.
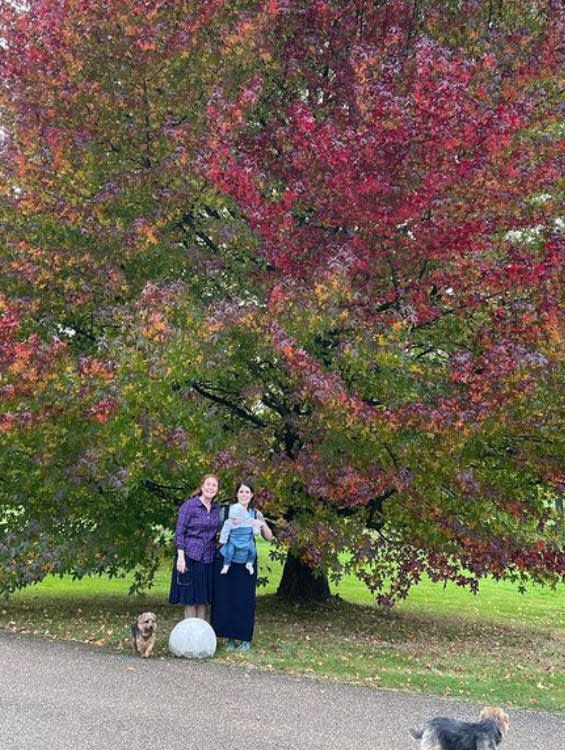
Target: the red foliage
pixel 26 364
pixel 423 176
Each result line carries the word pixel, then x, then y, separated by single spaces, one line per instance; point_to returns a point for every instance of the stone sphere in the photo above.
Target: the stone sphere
pixel 192 638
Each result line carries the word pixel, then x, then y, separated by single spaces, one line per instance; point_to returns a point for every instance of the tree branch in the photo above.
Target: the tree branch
pixel 206 391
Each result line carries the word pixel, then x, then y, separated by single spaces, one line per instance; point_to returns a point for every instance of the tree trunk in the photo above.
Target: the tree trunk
pixel 300 583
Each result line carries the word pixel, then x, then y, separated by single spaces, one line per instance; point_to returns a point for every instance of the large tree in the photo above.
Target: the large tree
pixel 348 284
pixel 403 175
pixel 110 240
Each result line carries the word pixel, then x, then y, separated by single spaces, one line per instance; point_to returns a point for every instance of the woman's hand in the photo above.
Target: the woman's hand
pixel 181 562
pixel 266 532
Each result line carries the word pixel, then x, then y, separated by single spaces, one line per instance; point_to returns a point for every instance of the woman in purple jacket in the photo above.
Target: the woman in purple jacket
pixel 193 572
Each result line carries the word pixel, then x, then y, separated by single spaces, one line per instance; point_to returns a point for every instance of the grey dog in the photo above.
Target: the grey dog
pixel 443 733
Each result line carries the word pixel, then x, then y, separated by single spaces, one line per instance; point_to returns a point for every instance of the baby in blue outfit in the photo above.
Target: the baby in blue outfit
pixel 237 537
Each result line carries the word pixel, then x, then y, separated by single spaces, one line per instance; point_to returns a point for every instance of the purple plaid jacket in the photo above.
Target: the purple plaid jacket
pixel 196 529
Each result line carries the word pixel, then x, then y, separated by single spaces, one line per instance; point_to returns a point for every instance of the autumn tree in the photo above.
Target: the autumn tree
pixel 111 238
pixel 403 176
pixel 316 242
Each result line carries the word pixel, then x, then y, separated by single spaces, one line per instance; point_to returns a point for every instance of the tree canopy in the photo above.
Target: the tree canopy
pixel 317 243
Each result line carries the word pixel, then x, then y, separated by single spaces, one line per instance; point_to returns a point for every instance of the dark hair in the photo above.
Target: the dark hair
pixel 251 487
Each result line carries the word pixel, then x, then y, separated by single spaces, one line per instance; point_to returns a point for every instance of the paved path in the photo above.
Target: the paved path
pixel 60 696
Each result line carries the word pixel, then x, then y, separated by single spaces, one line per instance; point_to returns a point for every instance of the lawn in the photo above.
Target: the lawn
pixel 498 646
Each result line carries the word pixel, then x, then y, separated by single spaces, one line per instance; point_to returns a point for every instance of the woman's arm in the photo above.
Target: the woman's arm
pixel 182 521
pixel 266 532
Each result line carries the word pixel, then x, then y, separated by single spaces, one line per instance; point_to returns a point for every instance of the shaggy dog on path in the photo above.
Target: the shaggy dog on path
pixel 143 634
pixel 449 734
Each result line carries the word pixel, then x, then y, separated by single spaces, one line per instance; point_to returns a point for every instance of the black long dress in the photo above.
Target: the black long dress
pixel 233 605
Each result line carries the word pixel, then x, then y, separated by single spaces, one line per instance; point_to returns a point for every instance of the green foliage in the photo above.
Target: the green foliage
pixel 318 245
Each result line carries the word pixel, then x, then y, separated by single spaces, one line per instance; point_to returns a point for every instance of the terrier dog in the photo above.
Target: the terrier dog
pixel 143 634
pixel 449 734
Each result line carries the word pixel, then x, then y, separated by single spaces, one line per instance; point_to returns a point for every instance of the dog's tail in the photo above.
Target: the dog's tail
pixel 417 732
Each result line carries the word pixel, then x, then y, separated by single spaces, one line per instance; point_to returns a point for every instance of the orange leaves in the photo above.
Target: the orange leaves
pixel 91 367
pixel 147 232
pixel 103 409
pixel 146 45
pixel 23 355
pixel 154 307
pixel 156 327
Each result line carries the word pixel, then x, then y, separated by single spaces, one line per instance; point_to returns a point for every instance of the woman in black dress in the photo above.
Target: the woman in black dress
pixel 233 605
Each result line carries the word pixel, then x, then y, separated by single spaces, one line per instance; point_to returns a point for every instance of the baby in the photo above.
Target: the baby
pixel 238 533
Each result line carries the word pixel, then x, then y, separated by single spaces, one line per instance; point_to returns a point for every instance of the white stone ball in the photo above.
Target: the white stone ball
pixel 192 638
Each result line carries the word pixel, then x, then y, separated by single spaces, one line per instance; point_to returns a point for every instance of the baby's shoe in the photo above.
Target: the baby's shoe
pixel 224 570
pixel 250 568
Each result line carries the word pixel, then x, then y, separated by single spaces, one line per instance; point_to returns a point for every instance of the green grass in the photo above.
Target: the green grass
pixel 498 646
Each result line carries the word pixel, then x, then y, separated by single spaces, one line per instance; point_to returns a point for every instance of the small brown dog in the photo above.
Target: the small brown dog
pixel 442 733
pixel 143 634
